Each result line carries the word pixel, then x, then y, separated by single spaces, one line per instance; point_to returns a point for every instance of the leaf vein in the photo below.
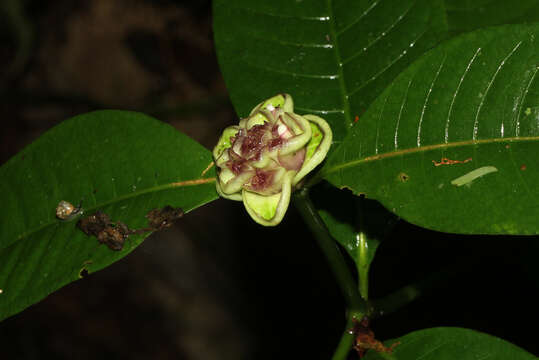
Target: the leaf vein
pixel 192 182
pixel 404 52
pixel 380 36
pixel 446 135
pixel 293 74
pixel 435 348
pixel 373 5
pixel 291 43
pixel 283 16
pixel 396 139
pixel 517 130
pixel 426 148
pixel 476 122
pixel 427 100
pixel 330 111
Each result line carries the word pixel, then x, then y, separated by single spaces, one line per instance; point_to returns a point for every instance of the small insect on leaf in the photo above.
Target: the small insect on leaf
pixel 67 211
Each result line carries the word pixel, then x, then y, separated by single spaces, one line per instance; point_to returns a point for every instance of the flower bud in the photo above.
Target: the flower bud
pixel 262 159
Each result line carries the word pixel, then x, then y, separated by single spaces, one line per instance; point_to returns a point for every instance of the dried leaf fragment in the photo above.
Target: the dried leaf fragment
pixel 159 219
pixel 365 339
pixel 114 234
pixel 107 232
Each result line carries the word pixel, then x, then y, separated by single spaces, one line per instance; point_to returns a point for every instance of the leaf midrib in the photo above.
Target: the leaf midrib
pixel 425 148
pixel 193 182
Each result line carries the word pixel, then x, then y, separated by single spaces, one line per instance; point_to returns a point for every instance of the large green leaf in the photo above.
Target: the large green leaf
pixel 451 145
pixel 121 163
pixel 450 344
pixel 333 57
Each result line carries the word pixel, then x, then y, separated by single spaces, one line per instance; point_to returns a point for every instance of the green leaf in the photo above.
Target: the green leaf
pixel 450 344
pixel 451 145
pixel 362 242
pixel 333 57
pixel 121 163
pixel 465 15
pixel 358 224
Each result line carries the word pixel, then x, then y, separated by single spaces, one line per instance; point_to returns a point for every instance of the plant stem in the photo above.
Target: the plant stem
pixel 357 307
pixel 409 293
pixel 363 265
pixel 347 337
pixel 331 250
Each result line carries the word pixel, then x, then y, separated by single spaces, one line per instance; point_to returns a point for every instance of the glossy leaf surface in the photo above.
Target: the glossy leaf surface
pixel 121 163
pixel 465 15
pixel 333 57
pixel 358 224
pixel 450 344
pixel 361 238
pixel 451 145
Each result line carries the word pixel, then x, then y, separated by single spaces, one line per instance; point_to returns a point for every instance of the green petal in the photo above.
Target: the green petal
pixel 284 101
pixel 317 148
pixel 256 119
pixel 235 184
pixel 297 142
pixel 224 141
pixel 269 210
pixel 316 139
pixel 235 196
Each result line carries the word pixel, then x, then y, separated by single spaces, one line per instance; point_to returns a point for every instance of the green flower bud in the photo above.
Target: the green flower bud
pixel 263 159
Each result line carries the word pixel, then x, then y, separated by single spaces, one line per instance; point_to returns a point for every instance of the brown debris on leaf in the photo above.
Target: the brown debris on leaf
pixel 365 339
pixel 114 234
pixel 159 219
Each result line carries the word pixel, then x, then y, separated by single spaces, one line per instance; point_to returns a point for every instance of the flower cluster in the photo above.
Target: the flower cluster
pixel 261 160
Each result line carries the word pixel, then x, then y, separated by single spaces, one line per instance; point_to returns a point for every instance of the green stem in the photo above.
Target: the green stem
pixel 331 250
pixel 409 293
pixel 357 307
pixel 347 337
pixel 362 253
pixel 363 265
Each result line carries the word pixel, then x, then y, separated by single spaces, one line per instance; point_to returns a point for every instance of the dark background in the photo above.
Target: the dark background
pixel 216 285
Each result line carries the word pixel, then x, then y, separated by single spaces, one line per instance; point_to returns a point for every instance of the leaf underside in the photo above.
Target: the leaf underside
pixel 451 144
pixel 121 163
